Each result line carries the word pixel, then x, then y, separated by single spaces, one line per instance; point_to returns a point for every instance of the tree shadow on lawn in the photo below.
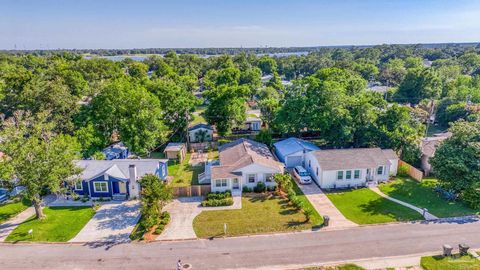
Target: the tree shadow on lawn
pixel 383 207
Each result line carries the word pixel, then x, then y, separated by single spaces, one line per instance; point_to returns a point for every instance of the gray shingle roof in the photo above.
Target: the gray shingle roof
pixel 174 147
pixel 240 153
pixel 358 158
pixel 294 145
pixel 117 168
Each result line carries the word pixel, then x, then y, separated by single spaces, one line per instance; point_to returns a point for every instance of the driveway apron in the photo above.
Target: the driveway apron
pixel 113 222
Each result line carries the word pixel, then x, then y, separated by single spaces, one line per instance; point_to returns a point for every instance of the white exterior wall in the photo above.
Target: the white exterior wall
pixel 259 172
pixel 328 179
pixel 208 133
pixel 256 169
pixel 394 166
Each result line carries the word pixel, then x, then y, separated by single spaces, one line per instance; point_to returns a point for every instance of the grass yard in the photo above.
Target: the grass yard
pixel 198 116
pixel 60 225
pixel 338 267
pixel 9 210
pixel 316 219
pixel 259 214
pixel 183 173
pixel 364 206
pixel 213 155
pixel 456 262
pixel 422 195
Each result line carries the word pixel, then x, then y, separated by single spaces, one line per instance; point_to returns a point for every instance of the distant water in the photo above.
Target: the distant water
pixel 143 57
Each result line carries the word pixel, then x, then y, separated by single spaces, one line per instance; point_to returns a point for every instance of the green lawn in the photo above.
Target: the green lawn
pixel 259 214
pixel 198 116
pixel 338 267
pixel 422 195
pixel 456 262
pixel 364 206
pixel 316 219
pixel 7 211
pixel 183 173
pixel 60 225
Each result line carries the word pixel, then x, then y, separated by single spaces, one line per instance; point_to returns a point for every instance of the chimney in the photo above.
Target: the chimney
pixel 133 185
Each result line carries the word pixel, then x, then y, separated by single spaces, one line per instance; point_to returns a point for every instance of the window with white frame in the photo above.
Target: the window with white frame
pixel 348 175
pixel 356 174
pixel 251 178
pixel 78 185
pixel 268 177
pixel 340 175
pixel 221 183
pixel 100 186
pixel 380 170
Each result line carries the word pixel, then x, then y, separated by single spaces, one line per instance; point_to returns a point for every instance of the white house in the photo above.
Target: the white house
pixel 241 163
pixel 342 168
pixel 292 151
pixel 200 133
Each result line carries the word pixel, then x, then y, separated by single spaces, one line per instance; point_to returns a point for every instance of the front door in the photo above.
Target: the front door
pixel 236 183
pixel 123 187
pixel 369 176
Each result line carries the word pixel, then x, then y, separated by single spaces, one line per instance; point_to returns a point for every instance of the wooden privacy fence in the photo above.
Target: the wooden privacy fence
pixel 191 191
pixel 412 171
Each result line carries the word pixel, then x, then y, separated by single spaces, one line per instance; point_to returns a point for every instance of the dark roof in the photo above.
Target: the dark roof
pixel 200 125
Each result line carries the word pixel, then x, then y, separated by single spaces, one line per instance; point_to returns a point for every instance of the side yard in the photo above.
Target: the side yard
pixel 455 262
pixel 422 194
pixel 60 225
pixel 9 210
pixel 364 206
pixel 316 219
pixel 260 213
pixel 183 173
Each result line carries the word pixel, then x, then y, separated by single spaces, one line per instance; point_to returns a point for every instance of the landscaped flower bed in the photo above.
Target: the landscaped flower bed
pixel 218 199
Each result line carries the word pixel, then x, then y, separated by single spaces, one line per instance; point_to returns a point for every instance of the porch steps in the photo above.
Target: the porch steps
pixel 119 197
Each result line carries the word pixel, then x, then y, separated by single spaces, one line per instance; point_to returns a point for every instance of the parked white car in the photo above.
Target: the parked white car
pixel 302 175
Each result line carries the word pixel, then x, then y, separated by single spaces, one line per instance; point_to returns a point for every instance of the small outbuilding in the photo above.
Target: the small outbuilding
pixel 116 150
pixel 200 133
pixel 292 151
pixel 175 151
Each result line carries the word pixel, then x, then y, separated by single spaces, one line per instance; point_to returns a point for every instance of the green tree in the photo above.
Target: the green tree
pixel 456 161
pixel 419 84
pixel 267 64
pixel 37 157
pixel 155 194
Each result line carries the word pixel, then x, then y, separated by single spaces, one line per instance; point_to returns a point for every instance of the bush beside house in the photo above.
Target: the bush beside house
pixel 218 199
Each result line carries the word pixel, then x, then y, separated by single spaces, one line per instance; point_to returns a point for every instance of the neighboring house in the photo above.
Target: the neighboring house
pixel 377 87
pixel 343 168
pixel 253 123
pixel 116 179
pixel 116 151
pixel 292 151
pixel 200 133
pixel 429 146
pixel 241 163
pixel 175 151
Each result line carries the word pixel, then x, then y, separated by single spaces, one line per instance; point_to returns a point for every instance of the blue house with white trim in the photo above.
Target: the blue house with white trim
pixel 117 150
pixel 116 179
pixel 292 151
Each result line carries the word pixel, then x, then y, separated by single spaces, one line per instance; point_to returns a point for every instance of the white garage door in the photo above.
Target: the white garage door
pixel 292 161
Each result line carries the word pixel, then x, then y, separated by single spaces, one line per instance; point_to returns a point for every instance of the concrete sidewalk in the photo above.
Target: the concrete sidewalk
pixel 325 207
pixel 7 227
pixel 427 215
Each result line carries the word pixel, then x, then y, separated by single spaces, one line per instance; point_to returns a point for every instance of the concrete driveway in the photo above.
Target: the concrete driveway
pixel 325 207
pixel 113 222
pixel 184 210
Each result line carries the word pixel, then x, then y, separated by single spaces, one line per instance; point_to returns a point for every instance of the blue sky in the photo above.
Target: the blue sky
pixel 49 24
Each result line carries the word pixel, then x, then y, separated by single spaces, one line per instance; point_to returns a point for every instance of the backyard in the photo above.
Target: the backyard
pixel 456 262
pixel 60 225
pixel 9 210
pixel 259 214
pixel 421 194
pixel 364 206
pixel 183 173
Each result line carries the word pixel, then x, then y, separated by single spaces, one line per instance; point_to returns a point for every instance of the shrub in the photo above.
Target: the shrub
pixel 308 214
pixel 246 189
pixel 218 202
pixel 402 171
pixel 471 197
pixel 159 229
pixel 219 195
pixel 260 187
pixel 296 202
pixel 271 188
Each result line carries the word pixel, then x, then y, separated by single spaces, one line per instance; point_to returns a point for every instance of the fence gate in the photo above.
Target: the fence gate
pixel 191 191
